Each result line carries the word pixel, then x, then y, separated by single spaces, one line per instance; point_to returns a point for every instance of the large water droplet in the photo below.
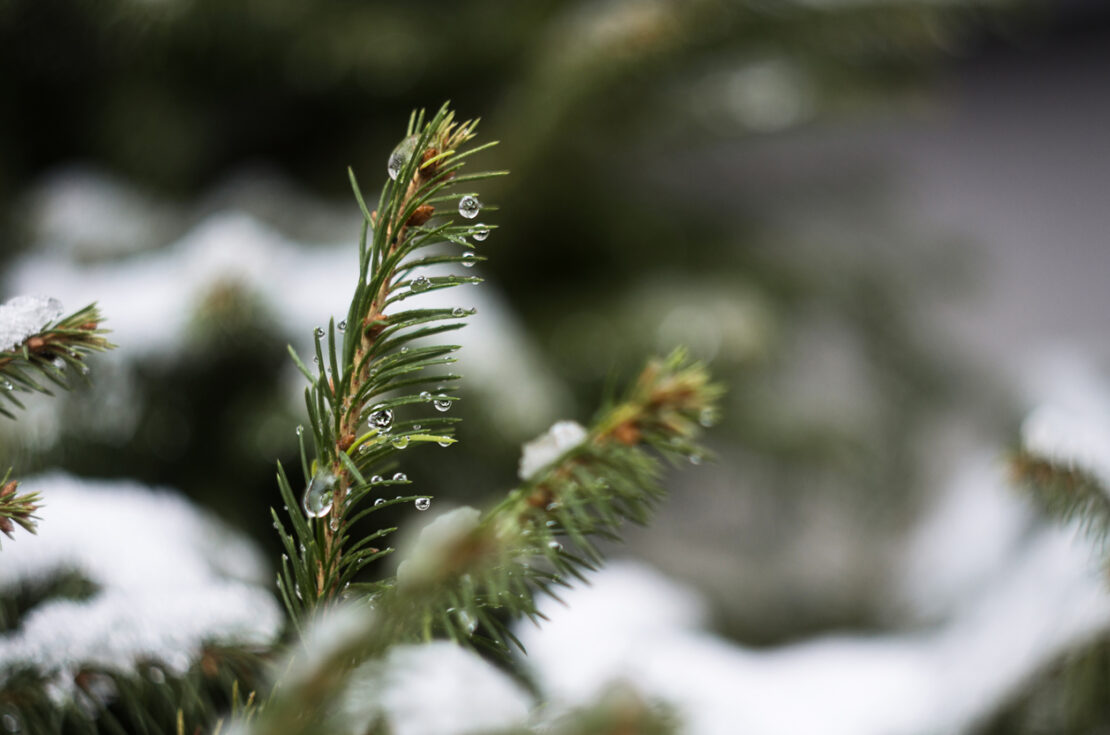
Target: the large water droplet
pixel 469 206
pixel 400 442
pixel 343 326
pixel 423 503
pixel 420 283
pixel 442 403
pixel 469 259
pixel 319 494
pixel 376 478
pixel 445 444
pixel 379 501
pixel 333 524
pixel 400 477
pixel 458 311
pixel 425 395
pixel 480 232
pixel 555 546
pixel 400 156
pixel 381 419
pixel 319 331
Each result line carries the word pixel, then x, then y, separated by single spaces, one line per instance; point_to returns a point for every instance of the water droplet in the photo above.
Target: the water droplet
pixel 156 675
pixel 381 419
pixel 400 156
pixel 400 477
pixel 375 479
pixel 333 524
pixel 423 503
pixel 554 546
pixel 458 311
pixel 469 206
pixel 379 501
pixel 553 505
pixel 469 260
pixel 84 370
pixel 467 621
pixel 319 331
pixel 420 283
pixel 343 326
pixel 364 449
pixel 442 403
pixel 297 590
pixel 400 442
pixel 695 459
pixel 316 360
pixel 445 444
pixel 552 524
pixel 425 395
pixel 11 724
pixel 480 232
pixel 708 417
pixel 300 430
pixel 318 495
pixel 403 350
pixel 59 363
pixel 8 385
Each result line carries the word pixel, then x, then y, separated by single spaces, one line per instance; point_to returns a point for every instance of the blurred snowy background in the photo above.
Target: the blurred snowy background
pixel 882 224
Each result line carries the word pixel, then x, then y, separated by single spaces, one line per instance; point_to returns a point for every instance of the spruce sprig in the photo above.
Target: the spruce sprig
pixel 42 358
pixel 1064 491
pixel 370 367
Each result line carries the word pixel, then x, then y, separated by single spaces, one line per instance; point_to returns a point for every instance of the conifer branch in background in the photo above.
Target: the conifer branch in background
pixel 39 353
pixel 1064 491
pixel 37 345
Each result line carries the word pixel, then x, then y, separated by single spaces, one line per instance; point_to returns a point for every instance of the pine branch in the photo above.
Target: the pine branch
pixel 377 367
pixel 37 350
pixel 542 535
pixel 1065 492
pixel 42 356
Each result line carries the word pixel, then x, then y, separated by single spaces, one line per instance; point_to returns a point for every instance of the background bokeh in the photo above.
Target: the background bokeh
pixel 874 220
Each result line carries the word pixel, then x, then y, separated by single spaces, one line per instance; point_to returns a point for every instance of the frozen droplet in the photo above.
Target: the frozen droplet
pixel 423 503
pixel 379 501
pixel 469 206
pixel 554 546
pixel 343 326
pixel 400 156
pixel 469 259
pixel 400 442
pixel 319 331
pixel 420 283
pixel 480 232
pixel 381 419
pixel 442 403
pixel 375 479
pixel 458 311
pixel 318 495
pixel 400 477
